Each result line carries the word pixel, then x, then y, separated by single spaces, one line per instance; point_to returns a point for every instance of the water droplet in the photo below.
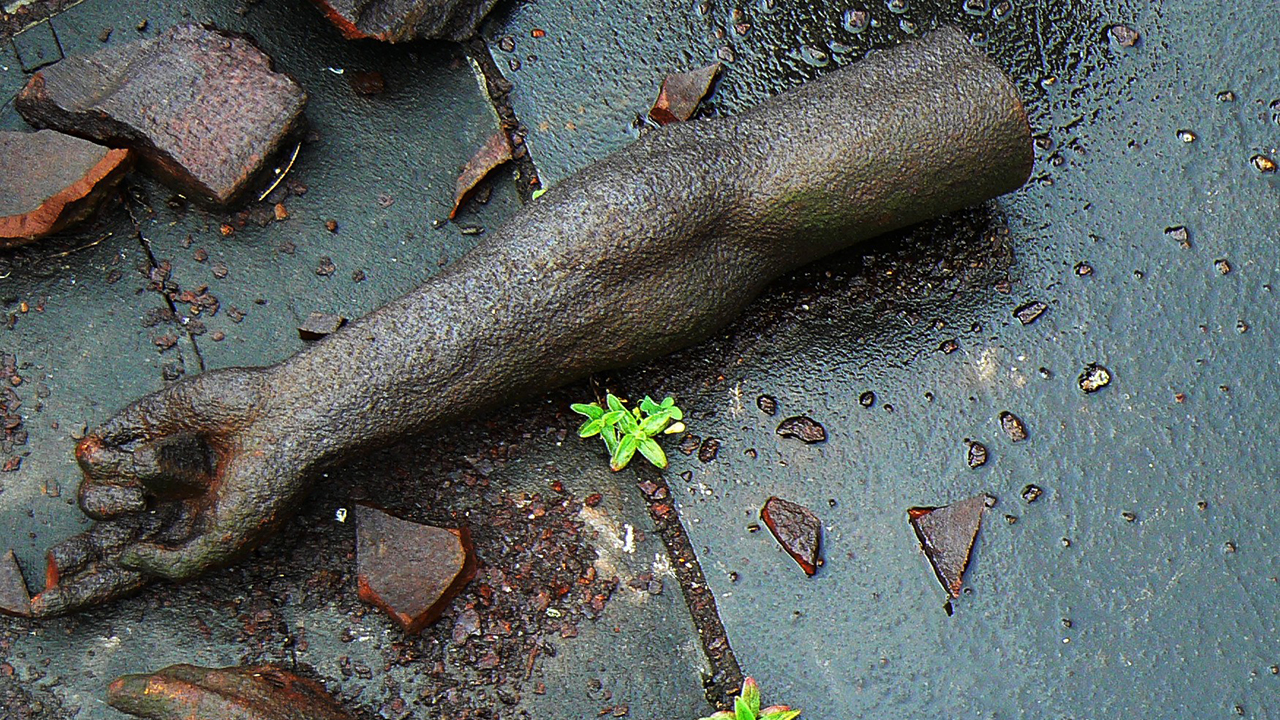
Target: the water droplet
pixel 1084 269
pixel 1222 266
pixel 1013 426
pixel 1226 96
pixel 908 27
pixel 976 7
pixel 978 39
pixel 812 56
pixel 768 7
pixel 897 6
pixel 1002 11
pixel 1186 136
pixel 1180 234
pixel 1263 164
pixel 1128 516
pixel 1242 327
pixel 855 21
pixel 867 399
pixel 840 48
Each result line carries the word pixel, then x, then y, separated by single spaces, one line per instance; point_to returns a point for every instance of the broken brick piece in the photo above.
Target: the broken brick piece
pixel 946 535
pixel 796 529
pixel 318 325
pixel 403 20
pixel 410 571
pixel 50 181
pixel 14 598
pixel 188 692
pixel 681 93
pixel 203 109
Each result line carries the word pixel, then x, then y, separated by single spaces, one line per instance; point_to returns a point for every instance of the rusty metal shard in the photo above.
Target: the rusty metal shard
pixel 495 152
pixel 946 535
pixel 188 692
pixel 681 93
pixel 50 181
pixel 14 599
pixel 204 109
pixel 408 570
pixel 796 529
pixel 403 20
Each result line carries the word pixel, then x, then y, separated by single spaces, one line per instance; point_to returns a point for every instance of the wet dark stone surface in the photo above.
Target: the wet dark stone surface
pixel 796 529
pixel 404 20
pixel 203 109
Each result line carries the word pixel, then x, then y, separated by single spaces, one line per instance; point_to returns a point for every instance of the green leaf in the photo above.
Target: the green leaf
pixel 612 417
pixel 593 411
pixel 722 715
pixel 781 715
pixel 673 428
pixel 590 428
pixel 654 425
pixel 537 193
pixel 628 423
pixel 614 403
pixel 610 436
pixel 625 450
pixel 675 412
pixel 751 694
pixel 649 406
pixel 741 711
pixel 668 402
pixel 653 452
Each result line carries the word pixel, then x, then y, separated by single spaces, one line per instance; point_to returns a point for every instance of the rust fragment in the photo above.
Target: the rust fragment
pixel 188 692
pixel 410 571
pixel 203 109
pixel 681 93
pixel 14 598
pixel 946 535
pixel 803 427
pixel 50 181
pixel 796 529
pixel 495 151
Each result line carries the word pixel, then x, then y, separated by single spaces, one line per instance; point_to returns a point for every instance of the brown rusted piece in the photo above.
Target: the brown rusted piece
pixel 402 20
pixel 681 93
pixel 50 181
pixel 14 599
pixel 495 151
pixel 410 571
pixel 188 692
pixel 804 428
pixel 946 535
pixel 796 529
pixel 319 325
pixel 203 109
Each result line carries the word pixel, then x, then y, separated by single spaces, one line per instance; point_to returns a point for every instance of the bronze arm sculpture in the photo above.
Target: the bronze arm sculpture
pixel 189 477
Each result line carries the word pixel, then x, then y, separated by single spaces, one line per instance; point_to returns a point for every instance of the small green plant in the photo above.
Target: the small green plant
pixel 747 706
pixel 627 431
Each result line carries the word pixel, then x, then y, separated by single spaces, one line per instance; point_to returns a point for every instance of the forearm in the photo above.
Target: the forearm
pixel 660 244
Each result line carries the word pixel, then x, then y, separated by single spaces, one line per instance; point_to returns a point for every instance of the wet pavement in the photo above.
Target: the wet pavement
pixel 1141 577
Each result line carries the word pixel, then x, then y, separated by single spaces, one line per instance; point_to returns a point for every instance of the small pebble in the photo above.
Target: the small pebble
pixel 1125 36
pixel 1226 96
pixel 1030 312
pixel 977 455
pixel 802 427
pixel 1263 164
pixel 1128 516
pixel 768 404
pixel 1013 426
pixel 1094 378
pixel 1084 269
pixel 1032 493
pixel 1186 136
pixel 1222 266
